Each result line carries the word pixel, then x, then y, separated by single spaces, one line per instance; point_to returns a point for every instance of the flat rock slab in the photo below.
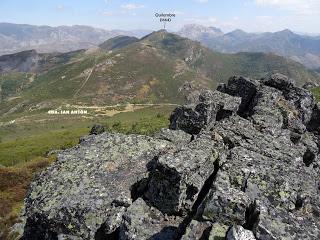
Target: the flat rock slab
pixel 174 136
pixel 89 185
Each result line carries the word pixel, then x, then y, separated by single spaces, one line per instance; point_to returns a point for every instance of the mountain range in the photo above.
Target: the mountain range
pixel 301 48
pixel 124 69
pixel 19 37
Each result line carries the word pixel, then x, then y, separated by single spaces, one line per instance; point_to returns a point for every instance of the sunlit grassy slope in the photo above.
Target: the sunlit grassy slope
pixel 151 70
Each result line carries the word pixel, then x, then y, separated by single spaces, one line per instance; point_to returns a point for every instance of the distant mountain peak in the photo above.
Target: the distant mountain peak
pixel 195 31
pixel 156 34
pixel 285 32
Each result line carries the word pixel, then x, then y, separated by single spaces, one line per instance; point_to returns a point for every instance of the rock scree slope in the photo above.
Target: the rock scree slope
pixel 241 162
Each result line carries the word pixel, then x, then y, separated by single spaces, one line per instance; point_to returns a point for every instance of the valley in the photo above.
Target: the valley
pixel 124 70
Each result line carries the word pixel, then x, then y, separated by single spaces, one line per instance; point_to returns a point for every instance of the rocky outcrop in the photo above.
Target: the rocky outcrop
pixel 239 163
pixel 211 106
pixel 90 186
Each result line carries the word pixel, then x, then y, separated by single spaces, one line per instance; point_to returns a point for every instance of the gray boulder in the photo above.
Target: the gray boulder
pixel 87 190
pixel 301 98
pixel 226 206
pixel 265 111
pixel 244 88
pixel 197 230
pixel 279 81
pixel 174 136
pixel 218 231
pixel 212 106
pixel 177 176
pixel 239 233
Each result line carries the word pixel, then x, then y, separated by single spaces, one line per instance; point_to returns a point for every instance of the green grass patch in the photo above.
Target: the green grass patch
pixel 316 93
pixel 24 149
pixel 145 121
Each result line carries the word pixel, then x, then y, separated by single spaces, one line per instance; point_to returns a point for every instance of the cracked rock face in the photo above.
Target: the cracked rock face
pixel 177 176
pixel 227 206
pixel 144 222
pixel 239 163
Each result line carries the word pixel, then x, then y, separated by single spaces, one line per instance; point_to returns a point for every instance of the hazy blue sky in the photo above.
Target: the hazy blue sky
pixel 250 15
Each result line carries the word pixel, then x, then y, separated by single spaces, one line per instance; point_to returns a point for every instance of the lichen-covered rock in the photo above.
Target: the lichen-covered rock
pixel 174 136
pixel 239 233
pixel 142 222
pixel 264 109
pixel 197 230
pixel 212 106
pixel 301 98
pixel 177 176
pixel 244 88
pixel 89 186
pixel 279 81
pixel 218 231
pixel 97 129
pixel 226 206
pixel 273 170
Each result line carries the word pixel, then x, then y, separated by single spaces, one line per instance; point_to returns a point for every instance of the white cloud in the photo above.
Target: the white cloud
pixel 301 7
pixel 131 6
